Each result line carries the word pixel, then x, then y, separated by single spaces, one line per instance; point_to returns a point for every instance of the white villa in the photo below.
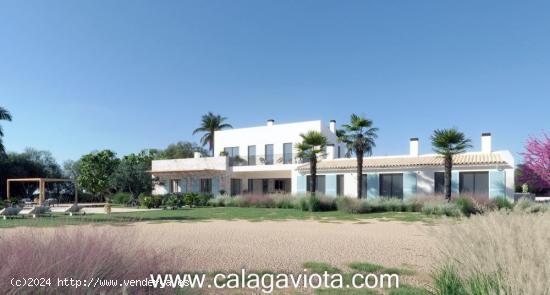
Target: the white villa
pixel 262 160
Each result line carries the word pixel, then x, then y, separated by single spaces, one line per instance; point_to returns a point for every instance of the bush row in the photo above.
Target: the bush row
pixel 461 206
pixel 171 201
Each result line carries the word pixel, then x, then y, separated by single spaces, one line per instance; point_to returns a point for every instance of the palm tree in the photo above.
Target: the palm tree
pixel 6 116
pixel 359 137
pixel 447 143
pixel 209 124
pixel 312 145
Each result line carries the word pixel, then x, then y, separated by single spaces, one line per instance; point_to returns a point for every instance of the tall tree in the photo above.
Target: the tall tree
pixel 448 143
pixel 359 136
pixel 29 164
pixel 312 145
pixel 179 150
pixel 537 161
pixel 131 174
pixel 96 170
pixel 4 116
pixel 209 124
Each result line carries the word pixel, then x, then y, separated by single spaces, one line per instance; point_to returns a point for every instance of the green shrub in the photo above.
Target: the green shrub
pixel 317 203
pixel 150 201
pixel 173 201
pixel 448 281
pixel 257 201
pixel 286 202
pixel 441 208
pixel 304 204
pixel 465 205
pixel 351 205
pixel 503 203
pixel 121 198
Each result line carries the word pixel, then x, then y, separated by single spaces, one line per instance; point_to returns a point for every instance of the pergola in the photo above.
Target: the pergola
pixel 42 186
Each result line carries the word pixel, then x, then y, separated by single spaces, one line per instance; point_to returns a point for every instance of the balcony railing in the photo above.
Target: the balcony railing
pixel 275 159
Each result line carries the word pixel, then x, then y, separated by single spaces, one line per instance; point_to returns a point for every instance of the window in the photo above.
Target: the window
pixel 287 153
pixel 175 186
pixel 391 185
pixel 206 185
pixel 475 184
pixel 269 154
pixel 251 186
pixel 235 186
pixel 439 183
pixel 279 185
pixel 320 185
pixel 339 185
pixel 339 151
pixel 251 155
pixel 265 186
pixel 233 155
pixel 364 184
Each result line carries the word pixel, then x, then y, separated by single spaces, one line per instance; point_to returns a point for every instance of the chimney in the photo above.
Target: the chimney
pixel 330 151
pixel 486 142
pixel 413 150
pixel 196 155
pixel 270 122
pixel 332 126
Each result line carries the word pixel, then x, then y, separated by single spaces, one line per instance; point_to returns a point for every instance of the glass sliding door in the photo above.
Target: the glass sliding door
pixel 233 155
pixel 391 185
pixel 251 155
pixel 287 153
pixel 339 185
pixel 320 185
pixel 439 183
pixel 269 154
pixel 235 186
pixel 474 184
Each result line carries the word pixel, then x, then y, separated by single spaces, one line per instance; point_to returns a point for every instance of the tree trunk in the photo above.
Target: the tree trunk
pixel 212 146
pixel 313 172
pixel 448 170
pixel 359 174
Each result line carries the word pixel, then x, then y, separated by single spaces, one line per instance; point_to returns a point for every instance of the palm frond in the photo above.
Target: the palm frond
pixel 5 114
pixel 449 142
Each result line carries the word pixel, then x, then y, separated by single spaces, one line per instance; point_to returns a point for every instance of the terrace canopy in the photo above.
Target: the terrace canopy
pixel 41 186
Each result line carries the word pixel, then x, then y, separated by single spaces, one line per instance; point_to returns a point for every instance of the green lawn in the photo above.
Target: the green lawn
pixel 221 213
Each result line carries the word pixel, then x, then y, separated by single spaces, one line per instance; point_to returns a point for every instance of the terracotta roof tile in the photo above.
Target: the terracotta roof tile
pixel 408 161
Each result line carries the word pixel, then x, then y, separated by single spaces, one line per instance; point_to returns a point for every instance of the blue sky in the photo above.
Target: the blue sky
pixel 127 75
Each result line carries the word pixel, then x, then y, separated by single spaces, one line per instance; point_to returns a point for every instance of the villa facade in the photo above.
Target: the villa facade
pixel 262 160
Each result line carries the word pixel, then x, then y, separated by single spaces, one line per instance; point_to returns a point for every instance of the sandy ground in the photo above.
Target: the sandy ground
pixel 286 245
pixel 283 246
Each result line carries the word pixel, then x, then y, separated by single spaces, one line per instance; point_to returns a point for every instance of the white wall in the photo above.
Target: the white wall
pixel 214 163
pixel 277 134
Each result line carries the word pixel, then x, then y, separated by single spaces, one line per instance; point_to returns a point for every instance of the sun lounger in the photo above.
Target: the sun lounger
pixel 35 211
pixel 9 212
pixel 74 209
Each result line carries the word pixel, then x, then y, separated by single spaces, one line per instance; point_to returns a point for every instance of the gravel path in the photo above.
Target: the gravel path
pixel 285 245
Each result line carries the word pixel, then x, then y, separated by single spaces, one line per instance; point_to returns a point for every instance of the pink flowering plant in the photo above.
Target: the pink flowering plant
pixel 536 169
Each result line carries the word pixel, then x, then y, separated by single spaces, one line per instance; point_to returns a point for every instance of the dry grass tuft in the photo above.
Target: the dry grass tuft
pixel 80 253
pixel 500 252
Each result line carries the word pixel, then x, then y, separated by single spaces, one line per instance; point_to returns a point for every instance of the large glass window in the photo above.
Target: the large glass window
pixel 175 186
pixel 235 186
pixel 364 184
pixel 320 185
pixel 269 154
pixel 474 184
pixel 206 185
pixel 287 153
pixel 251 155
pixel 439 183
pixel 233 155
pixel 391 185
pixel 339 185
